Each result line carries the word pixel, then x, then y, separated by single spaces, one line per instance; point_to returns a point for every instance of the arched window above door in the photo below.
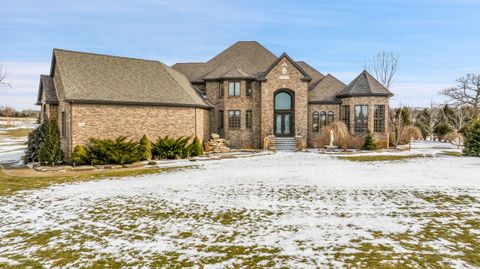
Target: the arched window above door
pixel 283 101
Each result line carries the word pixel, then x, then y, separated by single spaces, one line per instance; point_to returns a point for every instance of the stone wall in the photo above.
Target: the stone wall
pixel 292 80
pixel 314 136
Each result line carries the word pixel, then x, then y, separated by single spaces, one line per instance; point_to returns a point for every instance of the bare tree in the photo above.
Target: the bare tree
pixel 460 117
pixel 467 92
pixel 3 76
pixel 384 66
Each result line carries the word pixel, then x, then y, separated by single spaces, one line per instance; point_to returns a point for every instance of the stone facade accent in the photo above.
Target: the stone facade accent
pixel 370 101
pixel 295 84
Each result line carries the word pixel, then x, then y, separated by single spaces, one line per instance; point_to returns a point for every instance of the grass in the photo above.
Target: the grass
pixel 380 158
pixel 452 153
pixel 19 132
pixel 11 184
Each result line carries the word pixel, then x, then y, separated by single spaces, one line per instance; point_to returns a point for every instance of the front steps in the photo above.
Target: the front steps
pixel 285 143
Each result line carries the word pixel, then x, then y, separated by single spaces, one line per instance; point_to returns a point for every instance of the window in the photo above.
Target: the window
pixel 234 88
pixel 379 118
pixel 220 89
pixel 64 124
pixel 283 101
pixel 323 119
pixel 220 119
pixel 346 116
pixel 248 119
pixel 315 122
pixel 234 119
pixel 249 88
pixel 330 117
pixel 361 119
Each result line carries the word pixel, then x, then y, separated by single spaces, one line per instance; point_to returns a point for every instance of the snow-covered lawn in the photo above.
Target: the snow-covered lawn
pixel 295 210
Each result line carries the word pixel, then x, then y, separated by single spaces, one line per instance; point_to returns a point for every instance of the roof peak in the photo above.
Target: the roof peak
pixel 104 55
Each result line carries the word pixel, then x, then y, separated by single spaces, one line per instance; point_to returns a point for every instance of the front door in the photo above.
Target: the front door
pixel 283 124
pixel 283 114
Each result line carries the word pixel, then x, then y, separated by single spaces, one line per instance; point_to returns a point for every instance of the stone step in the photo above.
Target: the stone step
pixel 285 143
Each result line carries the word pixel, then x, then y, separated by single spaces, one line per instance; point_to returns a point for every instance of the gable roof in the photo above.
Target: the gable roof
pixel 312 72
pixel 364 85
pixel 326 90
pixel 48 88
pixel 193 71
pixel 306 77
pixel 96 78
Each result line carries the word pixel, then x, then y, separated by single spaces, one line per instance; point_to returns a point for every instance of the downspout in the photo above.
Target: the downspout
pixel 71 130
pixel 195 122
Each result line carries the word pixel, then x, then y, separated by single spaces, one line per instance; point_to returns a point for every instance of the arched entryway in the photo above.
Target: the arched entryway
pixel 283 117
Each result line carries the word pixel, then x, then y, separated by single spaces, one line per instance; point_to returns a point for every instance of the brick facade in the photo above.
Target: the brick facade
pixel 314 136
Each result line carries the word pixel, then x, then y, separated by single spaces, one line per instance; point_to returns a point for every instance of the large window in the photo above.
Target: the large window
pixel 283 101
pixel 64 124
pixel 323 119
pixel 346 116
pixel 220 119
pixel 315 122
pixel 361 119
pixel 249 89
pixel 379 118
pixel 220 89
pixel 234 88
pixel 330 117
pixel 248 119
pixel 234 119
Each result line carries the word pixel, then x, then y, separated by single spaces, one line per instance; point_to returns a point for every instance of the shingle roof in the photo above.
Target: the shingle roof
pixel 306 77
pixel 364 85
pixel 47 87
pixel 326 90
pixel 312 72
pixel 246 58
pixel 88 77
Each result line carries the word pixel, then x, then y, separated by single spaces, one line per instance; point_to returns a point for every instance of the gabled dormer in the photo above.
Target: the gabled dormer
pixel 284 61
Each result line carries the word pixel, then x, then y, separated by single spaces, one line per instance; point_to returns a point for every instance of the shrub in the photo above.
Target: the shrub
pixel 369 143
pixel 80 155
pixel 408 133
pixel 114 151
pixel 472 139
pixel 36 138
pixel 50 152
pixel 196 147
pixel 454 138
pixel 145 148
pixel 441 129
pixel 355 142
pixel 171 148
pixel 340 133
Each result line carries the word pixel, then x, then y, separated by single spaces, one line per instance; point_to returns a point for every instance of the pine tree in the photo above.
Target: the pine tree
pixel 50 152
pixel 472 139
pixel 36 139
pixel 369 143
pixel 146 148
pixel 196 148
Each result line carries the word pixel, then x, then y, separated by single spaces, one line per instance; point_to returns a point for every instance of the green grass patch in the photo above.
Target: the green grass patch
pixel 452 153
pixel 381 158
pixel 20 132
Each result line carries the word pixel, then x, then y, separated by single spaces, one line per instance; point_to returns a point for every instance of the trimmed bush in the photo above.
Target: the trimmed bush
pixel 145 148
pixel 50 152
pixel 369 143
pixel 196 147
pixel 80 155
pixel 171 148
pixel 36 138
pixel 114 151
pixel 472 139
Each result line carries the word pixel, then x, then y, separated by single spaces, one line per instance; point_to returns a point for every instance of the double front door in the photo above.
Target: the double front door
pixel 283 123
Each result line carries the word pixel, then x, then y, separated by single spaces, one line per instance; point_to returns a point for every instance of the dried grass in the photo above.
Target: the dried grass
pixel 454 138
pixel 340 133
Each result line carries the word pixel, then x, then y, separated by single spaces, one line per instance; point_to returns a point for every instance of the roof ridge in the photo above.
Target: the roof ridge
pixel 166 68
pixel 106 55
pixel 364 73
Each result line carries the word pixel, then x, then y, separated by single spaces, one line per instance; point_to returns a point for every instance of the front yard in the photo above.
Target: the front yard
pixel 295 210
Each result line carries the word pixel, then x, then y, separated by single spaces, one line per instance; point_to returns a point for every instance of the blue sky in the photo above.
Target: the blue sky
pixel 437 41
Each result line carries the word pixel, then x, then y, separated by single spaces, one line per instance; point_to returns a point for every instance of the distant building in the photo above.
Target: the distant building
pixel 245 94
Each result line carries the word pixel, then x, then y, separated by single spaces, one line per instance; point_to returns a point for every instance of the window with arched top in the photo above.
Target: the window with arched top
pixel 323 119
pixel 315 122
pixel 330 117
pixel 283 101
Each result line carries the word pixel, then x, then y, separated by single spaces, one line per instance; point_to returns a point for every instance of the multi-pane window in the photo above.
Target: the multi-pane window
pixel 220 119
pixel 346 116
pixel 220 88
pixel 249 88
pixel 64 124
pixel 361 119
pixel 315 122
pixel 248 119
pixel 323 119
pixel 234 119
pixel 330 117
pixel 379 118
pixel 234 88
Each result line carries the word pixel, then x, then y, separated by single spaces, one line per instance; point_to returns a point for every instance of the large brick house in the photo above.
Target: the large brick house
pixel 245 94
